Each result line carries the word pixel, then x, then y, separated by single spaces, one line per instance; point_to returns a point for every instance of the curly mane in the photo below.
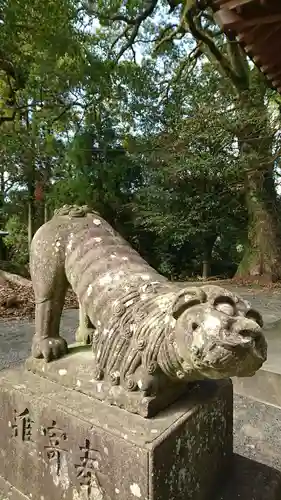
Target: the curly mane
pixel 74 211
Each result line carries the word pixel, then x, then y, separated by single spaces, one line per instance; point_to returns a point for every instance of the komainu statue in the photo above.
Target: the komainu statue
pixel 145 331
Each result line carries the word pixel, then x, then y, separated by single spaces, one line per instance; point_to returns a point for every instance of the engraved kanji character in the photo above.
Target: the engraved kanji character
pixel 54 449
pixel 88 471
pixel 22 425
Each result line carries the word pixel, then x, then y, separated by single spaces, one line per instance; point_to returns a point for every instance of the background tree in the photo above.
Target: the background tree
pixel 159 27
pixel 146 112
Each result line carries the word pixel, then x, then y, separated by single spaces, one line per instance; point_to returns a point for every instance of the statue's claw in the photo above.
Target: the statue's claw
pixel 49 348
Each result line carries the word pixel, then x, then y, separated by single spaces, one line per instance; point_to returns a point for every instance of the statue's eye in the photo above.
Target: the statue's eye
pixel 226 309
pixel 225 305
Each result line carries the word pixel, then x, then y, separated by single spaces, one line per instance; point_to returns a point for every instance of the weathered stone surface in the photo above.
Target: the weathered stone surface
pixel 146 334
pixel 265 386
pixel 8 492
pixel 59 444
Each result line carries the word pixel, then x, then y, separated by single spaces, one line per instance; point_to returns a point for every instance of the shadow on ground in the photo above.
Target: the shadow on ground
pixel 251 480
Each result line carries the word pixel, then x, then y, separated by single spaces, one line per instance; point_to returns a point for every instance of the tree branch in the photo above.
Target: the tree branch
pixel 63 112
pixel 181 28
pixel 170 36
pixel 4 119
pixel 135 23
pixel 213 51
pixel 123 34
pixel 7 66
pixel 192 57
pixel 122 18
pixel 238 60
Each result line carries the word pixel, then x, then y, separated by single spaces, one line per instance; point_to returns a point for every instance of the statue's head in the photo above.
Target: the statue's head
pixel 217 333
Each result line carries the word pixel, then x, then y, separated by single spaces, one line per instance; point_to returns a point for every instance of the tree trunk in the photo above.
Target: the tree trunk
pixel 2 194
pixel 31 205
pixel 46 212
pixel 262 256
pixel 209 242
pixel 205 269
pixel 31 217
pixel 29 161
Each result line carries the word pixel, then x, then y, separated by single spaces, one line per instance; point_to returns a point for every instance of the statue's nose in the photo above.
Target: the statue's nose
pixel 248 328
pixel 241 331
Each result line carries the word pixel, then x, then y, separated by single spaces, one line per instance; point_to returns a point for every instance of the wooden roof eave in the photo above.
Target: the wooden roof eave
pixel 256 25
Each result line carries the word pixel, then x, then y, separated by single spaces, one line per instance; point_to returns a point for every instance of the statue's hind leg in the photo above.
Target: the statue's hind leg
pixel 50 286
pixel 85 330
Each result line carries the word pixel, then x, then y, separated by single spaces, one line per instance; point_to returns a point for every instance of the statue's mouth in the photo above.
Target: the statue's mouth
pixel 232 356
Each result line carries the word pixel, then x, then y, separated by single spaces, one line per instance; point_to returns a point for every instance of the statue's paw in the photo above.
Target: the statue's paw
pixel 49 348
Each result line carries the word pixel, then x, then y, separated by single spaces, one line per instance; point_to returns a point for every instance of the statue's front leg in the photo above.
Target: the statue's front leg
pixel 47 342
pixel 50 286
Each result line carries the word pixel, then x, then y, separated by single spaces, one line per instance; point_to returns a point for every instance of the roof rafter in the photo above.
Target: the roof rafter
pixel 257 27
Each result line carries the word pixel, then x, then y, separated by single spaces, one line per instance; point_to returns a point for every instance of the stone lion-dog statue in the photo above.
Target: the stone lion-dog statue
pixel 145 331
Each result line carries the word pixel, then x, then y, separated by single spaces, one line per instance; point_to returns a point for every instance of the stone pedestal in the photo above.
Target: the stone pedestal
pixel 57 443
pixel 76 370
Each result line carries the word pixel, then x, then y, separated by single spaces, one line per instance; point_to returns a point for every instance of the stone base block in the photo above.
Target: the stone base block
pixel 75 370
pixel 57 443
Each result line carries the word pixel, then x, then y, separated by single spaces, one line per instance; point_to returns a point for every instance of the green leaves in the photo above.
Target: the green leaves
pixel 157 141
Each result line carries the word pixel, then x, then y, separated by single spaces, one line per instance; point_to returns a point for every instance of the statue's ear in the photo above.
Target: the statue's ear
pixel 187 298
